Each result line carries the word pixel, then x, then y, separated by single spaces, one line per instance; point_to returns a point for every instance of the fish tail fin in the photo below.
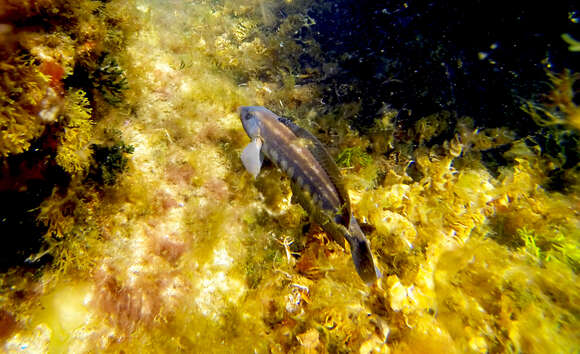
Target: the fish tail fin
pixel 361 254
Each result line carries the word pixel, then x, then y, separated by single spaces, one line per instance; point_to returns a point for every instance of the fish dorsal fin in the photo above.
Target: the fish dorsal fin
pixel 326 161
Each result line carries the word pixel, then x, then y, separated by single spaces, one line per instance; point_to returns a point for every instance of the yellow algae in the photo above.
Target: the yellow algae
pixel 73 153
pixel 428 127
pixel 19 124
pixel 61 317
pixel 560 108
pixel 37 341
pixel 185 251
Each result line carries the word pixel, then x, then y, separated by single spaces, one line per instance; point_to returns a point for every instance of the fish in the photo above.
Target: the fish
pixel 316 181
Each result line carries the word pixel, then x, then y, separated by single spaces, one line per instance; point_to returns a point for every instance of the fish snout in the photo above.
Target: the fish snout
pixel 250 121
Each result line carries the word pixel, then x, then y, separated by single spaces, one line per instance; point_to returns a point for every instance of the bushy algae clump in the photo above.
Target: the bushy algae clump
pixel 20 120
pixel 47 124
pixel 160 241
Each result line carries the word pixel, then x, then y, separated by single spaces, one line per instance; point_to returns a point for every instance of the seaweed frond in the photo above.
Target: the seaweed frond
pixel 529 238
pixel 110 162
pixel 73 153
pixel 110 80
pixel 353 156
pixel 573 44
pixel 559 107
pixel 22 89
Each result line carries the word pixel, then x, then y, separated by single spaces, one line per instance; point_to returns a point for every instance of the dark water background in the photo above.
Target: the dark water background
pixel 426 57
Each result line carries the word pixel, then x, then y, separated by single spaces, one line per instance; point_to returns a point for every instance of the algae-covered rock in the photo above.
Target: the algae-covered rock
pixel 120 149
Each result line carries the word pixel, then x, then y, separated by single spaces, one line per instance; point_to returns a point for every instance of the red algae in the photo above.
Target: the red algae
pixel 56 73
pixel 127 306
pixel 8 324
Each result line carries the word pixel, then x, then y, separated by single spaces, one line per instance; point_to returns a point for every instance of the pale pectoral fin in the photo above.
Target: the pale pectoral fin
pixel 251 157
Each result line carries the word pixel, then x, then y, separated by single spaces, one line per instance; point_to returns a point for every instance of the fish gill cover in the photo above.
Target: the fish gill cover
pixel 129 223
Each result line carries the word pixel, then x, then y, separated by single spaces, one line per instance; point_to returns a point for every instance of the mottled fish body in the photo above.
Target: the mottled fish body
pixel 316 181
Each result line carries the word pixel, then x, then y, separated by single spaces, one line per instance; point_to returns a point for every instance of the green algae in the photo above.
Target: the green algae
pixel 109 79
pixel 110 162
pixel 351 156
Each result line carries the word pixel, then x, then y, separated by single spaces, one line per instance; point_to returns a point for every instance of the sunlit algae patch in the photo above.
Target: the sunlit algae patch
pixel 131 225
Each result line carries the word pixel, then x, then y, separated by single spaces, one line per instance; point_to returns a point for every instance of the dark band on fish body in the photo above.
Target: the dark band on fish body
pixel 296 163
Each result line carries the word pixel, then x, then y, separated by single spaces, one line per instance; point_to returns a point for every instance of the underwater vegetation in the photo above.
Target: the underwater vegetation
pixel 48 123
pixel 110 162
pixel 132 226
pixel 21 109
pixel 558 106
pixel 109 79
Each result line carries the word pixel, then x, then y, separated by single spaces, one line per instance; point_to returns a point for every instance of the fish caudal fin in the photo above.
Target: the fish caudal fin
pixel 251 157
pixel 361 254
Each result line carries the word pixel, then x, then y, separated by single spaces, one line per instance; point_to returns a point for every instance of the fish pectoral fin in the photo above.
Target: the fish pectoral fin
pixel 252 157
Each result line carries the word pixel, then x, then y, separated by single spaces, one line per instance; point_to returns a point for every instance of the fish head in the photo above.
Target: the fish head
pixel 251 117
